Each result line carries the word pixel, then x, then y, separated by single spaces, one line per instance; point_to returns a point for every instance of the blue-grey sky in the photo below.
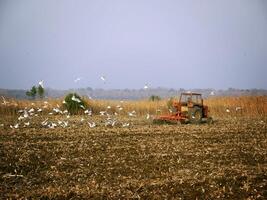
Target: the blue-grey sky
pixel 171 43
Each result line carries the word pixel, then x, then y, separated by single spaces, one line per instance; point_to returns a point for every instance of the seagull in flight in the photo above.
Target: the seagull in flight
pixel 73 98
pixel 41 83
pixel 77 79
pixel 103 78
pixel 146 87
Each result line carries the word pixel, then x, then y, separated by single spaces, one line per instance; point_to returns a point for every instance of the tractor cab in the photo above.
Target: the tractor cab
pixel 191 99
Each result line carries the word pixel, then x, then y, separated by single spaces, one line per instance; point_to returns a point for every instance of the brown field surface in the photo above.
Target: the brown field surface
pixel 223 160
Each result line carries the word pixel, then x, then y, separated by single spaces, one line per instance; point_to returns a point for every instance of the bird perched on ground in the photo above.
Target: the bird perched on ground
pixel 102 113
pixel 125 124
pixel 132 114
pixel 238 108
pixel 15 126
pixel 26 124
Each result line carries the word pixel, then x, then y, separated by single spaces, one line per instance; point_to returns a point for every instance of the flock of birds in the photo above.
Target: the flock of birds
pixel 26 115
pixel 110 120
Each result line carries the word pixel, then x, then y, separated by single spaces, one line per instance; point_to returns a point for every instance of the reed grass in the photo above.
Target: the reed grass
pixel 251 106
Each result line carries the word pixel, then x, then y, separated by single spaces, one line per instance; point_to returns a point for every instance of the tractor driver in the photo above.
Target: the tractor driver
pixel 189 101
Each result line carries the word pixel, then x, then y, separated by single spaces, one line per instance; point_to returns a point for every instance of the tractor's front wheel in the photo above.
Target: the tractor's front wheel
pixel 196 115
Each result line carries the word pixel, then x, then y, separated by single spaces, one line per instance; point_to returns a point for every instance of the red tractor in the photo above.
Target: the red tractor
pixel 190 108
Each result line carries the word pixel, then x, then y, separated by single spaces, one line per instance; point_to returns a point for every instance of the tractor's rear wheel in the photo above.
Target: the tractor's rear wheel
pixel 196 115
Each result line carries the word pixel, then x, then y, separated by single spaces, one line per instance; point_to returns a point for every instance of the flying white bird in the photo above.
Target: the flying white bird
pixel 15 126
pixel 73 98
pixel 212 93
pixel 132 114
pixel 31 110
pixel 77 79
pixel 146 86
pixel 110 122
pixel 82 107
pixel 44 123
pixel 92 125
pixel 25 114
pixel 41 83
pixel 103 78
pixel 56 110
pixel 65 124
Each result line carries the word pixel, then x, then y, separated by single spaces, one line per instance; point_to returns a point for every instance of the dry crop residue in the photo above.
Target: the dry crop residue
pixel 227 159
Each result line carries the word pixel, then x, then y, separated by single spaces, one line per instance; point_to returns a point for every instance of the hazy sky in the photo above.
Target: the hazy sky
pixel 170 43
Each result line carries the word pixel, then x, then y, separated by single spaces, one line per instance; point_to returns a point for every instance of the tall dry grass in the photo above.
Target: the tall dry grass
pixel 250 106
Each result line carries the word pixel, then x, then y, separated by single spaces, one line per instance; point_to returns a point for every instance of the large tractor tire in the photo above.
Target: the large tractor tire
pixel 195 116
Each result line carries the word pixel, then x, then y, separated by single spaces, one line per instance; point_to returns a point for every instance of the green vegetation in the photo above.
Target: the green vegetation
pixel 40 91
pixel 74 103
pixel 32 93
pixel 154 98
